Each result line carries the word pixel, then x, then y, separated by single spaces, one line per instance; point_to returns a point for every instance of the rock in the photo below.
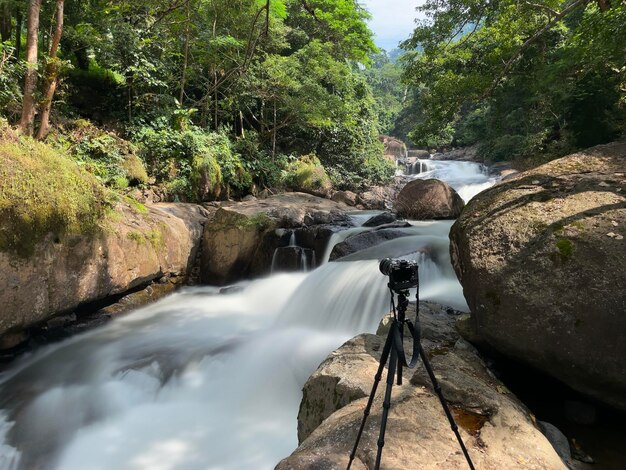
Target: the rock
pixel 75 269
pixel 364 240
pixel 557 439
pixel 418 154
pixel 293 258
pixel 428 199
pixel 378 197
pixel 541 277
pixel 380 219
pixel 346 197
pixel 461 153
pixel 393 147
pixel 240 240
pixel 497 429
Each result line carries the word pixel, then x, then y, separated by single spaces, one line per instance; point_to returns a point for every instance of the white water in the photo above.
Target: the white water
pixel 201 380
pixel 467 178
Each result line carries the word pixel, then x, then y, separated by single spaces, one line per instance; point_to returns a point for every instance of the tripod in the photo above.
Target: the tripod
pixel 394 351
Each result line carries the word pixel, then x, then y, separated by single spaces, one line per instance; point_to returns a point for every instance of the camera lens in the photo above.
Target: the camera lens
pixel 385 266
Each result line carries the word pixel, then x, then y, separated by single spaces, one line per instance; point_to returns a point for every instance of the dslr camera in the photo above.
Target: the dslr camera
pixel 402 273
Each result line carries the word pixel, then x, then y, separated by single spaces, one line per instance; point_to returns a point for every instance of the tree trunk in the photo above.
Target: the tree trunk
pixel 30 82
pixel 274 132
pixel 185 57
pixel 18 32
pixel 5 20
pixel 51 76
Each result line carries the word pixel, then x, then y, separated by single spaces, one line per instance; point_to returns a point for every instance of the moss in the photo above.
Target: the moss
pixel 260 221
pixel 137 206
pixel 135 170
pixel 307 174
pixel 565 248
pixel 43 191
pixel 137 237
pixel 155 237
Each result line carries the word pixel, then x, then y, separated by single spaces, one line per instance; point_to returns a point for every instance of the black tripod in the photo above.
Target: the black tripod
pixel 394 351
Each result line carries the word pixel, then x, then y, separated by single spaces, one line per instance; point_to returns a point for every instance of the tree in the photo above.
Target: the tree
pixel 511 71
pixel 51 73
pixel 30 81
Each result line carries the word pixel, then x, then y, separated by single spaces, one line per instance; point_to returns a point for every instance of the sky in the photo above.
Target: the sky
pixel 393 20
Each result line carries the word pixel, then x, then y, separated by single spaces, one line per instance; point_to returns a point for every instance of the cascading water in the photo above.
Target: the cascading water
pixel 467 178
pixel 201 380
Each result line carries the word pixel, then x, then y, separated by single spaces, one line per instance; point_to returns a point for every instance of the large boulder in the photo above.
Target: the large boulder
pixel 134 248
pixel 541 259
pixel 428 199
pixel 240 240
pixel 497 429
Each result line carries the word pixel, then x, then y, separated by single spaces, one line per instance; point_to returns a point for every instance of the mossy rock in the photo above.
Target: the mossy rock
pixel 43 191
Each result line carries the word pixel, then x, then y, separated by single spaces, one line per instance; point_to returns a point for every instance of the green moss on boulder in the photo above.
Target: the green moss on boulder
pixel 43 191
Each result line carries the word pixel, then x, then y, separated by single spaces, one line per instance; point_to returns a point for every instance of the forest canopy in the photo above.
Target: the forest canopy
pixel 518 77
pixel 278 79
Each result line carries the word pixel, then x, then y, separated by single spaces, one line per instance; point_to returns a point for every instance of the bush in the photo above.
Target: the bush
pixel 11 72
pixel 307 174
pixel 193 164
pixel 109 157
pixel 43 191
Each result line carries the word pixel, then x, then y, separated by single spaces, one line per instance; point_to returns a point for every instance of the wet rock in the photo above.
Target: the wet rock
pixel 240 240
pixel 428 199
pixel 540 274
pixel 497 429
pixel 380 219
pixel 76 269
pixel 293 258
pixel 365 240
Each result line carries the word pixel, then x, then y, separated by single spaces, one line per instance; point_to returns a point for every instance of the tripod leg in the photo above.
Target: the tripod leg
pixel 377 377
pixel 393 361
pixel 444 404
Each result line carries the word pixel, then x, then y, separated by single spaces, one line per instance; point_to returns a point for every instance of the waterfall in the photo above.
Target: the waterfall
pixel 292 257
pixel 201 380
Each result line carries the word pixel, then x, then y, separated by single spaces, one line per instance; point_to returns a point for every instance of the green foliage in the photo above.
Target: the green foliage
pixel 216 93
pixel 195 165
pixel 385 79
pixel 307 174
pixel 517 80
pixel 43 191
pixel 10 76
pixel 111 159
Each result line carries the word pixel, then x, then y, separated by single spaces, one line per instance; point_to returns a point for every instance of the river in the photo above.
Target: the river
pixel 202 380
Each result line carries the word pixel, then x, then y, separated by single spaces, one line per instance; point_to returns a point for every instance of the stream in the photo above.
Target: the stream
pixel 203 380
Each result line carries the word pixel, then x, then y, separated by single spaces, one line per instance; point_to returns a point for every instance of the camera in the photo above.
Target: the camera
pixel 402 273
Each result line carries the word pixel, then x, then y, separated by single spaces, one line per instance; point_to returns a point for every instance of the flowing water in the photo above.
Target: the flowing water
pixel 201 380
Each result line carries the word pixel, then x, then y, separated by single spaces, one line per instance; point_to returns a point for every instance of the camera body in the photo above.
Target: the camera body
pixel 402 273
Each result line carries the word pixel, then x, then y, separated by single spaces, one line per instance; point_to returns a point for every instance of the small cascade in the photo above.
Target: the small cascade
pixel 293 258
pixel 418 167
